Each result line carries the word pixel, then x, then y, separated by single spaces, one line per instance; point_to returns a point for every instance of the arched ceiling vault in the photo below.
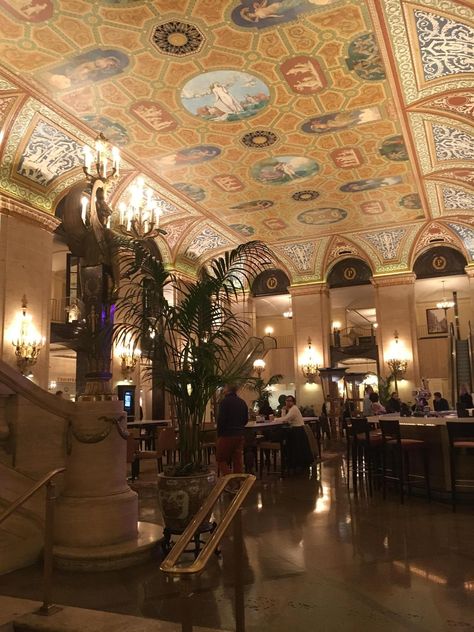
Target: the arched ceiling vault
pixel 309 124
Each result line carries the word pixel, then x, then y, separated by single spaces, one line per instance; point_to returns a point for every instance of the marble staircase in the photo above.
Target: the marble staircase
pixel 18 615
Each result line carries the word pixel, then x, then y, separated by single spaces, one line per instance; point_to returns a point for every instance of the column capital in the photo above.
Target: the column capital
pixel 308 289
pixel 404 278
pixel 469 270
pixel 16 208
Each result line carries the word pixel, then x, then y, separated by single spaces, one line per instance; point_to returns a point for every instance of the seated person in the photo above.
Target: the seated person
pixel 298 451
pixel 439 402
pixel 376 406
pixel 265 409
pixel 394 403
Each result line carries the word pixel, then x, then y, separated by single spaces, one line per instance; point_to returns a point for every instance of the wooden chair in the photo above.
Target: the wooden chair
pixel 461 439
pixel 166 441
pixel 208 438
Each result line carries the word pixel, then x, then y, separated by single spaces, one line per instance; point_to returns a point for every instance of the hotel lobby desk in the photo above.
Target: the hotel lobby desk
pixel 433 431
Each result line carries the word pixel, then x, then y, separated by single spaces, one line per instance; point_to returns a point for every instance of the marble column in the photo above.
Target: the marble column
pixel 311 319
pixel 396 311
pixel 26 245
pixel 469 269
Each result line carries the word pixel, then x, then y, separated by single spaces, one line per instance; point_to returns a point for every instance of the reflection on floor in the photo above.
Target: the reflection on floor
pixel 315 558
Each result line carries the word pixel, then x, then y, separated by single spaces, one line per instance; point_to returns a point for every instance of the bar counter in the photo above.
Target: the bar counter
pixel 433 431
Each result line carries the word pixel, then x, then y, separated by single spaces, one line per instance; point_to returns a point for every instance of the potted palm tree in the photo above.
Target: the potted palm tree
pixel 192 344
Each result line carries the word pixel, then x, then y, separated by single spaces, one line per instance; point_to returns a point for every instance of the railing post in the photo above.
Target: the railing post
pixel 238 574
pixel 48 608
pixel 186 604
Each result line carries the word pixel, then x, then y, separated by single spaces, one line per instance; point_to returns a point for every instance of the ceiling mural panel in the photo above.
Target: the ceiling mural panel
pixel 466 234
pixel 279 120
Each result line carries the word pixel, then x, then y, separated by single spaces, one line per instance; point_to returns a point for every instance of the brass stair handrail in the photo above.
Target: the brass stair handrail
pixel 47 607
pixel 169 564
pixel 231 514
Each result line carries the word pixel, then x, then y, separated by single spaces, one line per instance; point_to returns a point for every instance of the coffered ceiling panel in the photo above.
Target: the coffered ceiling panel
pixel 309 124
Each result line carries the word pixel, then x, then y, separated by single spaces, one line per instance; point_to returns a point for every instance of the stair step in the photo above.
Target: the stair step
pixel 81 620
pixel 21 543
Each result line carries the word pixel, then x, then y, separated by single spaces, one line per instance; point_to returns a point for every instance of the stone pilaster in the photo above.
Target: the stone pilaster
pixel 26 240
pixel 311 319
pixel 395 306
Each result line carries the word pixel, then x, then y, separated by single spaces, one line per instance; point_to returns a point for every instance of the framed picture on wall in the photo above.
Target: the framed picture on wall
pixel 437 322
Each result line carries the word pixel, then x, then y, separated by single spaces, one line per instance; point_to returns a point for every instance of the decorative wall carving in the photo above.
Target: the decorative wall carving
pixel 446 46
pixel 208 239
pixel 455 199
pixel 466 234
pixel 301 254
pixel 452 143
pixel 386 242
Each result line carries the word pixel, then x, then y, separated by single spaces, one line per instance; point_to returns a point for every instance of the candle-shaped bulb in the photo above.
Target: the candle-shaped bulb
pixel 116 159
pixel 87 157
pixel 84 205
pixel 122 209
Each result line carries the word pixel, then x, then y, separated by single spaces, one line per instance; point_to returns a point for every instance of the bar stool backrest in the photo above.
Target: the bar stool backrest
pixel 460 431
pixel 390 430
pixel 359 426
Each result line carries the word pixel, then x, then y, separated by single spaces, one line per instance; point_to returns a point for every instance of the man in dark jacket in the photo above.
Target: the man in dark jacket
pixel 439 402
pixel 231 420
pixel 394 403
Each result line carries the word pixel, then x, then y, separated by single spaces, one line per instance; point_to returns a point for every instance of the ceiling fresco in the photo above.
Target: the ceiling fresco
pixel 327 128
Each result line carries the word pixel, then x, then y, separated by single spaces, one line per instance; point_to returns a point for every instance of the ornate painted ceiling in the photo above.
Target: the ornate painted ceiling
pixel 324 127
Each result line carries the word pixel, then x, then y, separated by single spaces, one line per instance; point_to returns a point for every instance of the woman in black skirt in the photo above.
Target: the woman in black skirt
pixel 298 451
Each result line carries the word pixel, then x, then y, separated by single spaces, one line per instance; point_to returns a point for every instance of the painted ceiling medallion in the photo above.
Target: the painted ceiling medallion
pixel 261 14
pixel 283 169
pixel 411 201
pixel 370 183
pixel 394 148
pixel 305 196
pixel 322 216
pixel 253 205
pixel 364 58
pixel 177 38
pixel 225 95
pixel 259 139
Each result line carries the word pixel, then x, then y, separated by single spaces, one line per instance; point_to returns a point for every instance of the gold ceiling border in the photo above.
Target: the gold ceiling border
pixel 403 48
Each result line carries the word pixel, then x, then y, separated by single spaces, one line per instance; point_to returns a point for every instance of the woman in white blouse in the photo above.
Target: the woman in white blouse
pixel 297 449
pixel 293 414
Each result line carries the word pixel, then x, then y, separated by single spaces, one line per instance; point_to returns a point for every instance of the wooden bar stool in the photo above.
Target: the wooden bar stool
pixel 400 450
pixel 363 449
pixel 461 439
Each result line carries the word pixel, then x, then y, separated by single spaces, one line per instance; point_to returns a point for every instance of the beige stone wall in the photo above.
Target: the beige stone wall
pixel 25 269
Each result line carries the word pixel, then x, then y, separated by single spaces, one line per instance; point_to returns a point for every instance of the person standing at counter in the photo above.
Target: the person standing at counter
pixel 465 397
pixel 439 402
pixel 298 451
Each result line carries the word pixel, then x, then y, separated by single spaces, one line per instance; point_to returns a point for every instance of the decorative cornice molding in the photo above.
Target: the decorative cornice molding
pixel 307 289
pixel 15 208
pixel 406 278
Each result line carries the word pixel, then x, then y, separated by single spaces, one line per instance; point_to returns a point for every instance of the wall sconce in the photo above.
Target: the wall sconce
pixel 309 366
pixel 268 331
pixel 26 339
pixel 396 363
pixel 259 367
pixel 289 312
pixel 129 356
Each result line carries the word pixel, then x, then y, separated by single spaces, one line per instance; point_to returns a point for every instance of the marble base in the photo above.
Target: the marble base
pixel 112 556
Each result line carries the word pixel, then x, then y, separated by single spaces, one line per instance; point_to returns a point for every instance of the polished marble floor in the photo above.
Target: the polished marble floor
pixel 315 559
